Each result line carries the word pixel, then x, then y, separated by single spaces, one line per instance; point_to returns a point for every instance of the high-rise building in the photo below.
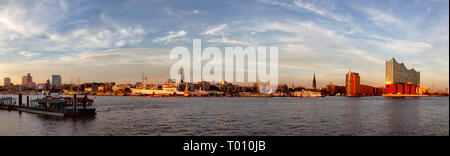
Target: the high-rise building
pixel 400 80
pixel 56 81
pixel 352 84
pixel 24 81
pixel 7 82
pixel 314 86
pixel 27 81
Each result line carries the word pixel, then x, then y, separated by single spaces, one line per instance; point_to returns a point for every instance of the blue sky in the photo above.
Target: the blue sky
pixel 116 41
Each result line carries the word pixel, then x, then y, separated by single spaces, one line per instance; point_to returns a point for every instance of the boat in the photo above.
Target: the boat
pixel 158 92
pixel 308 94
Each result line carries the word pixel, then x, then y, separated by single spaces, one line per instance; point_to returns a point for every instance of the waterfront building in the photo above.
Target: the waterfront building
pixel 424 90
pixel 333 89
pixel 27 81
pixel 41 86
pixel 352 84
pixel 7 82
pixel 56 81
pixel 400 80
pixel 122 87
pixel 371 91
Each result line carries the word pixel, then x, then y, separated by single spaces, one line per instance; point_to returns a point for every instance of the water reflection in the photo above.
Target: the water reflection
pixel 243 116
pixel 353 119
pixel 401 116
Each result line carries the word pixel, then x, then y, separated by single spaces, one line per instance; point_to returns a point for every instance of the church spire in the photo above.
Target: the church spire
pixel 314 82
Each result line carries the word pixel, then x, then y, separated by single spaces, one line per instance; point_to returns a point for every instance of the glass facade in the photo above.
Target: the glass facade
pixel 398 74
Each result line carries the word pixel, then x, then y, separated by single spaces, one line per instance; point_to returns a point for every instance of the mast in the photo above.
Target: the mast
pixel 144 80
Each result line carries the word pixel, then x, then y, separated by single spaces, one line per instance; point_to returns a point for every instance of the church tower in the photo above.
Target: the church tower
pixel 314 82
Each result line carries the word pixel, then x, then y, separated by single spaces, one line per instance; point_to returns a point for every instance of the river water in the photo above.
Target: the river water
pixel 334 116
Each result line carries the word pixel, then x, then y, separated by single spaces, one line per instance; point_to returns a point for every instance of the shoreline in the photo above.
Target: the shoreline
pixel 263 96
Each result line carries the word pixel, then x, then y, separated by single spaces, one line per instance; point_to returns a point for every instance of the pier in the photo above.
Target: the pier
pixel 50 106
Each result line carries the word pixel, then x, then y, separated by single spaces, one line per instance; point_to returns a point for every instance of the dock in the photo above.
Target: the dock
pixel 56 107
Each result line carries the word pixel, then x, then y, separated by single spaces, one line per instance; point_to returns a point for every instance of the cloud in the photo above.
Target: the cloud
pixel 313 44
pixel 17 21
pixel 98 65
pixel 406 47
pixel 27 54
pixel 83 39
pixel 19 25
pixel 296 4
pixel 215 30
pixel 195 11
pixel 179 12
pixel 323 12
pixel 225 40
pixel 63 5
pixel 172 35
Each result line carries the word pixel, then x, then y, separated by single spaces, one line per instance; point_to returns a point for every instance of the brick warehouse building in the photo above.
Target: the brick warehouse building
pixel 353 86
pixel 400 80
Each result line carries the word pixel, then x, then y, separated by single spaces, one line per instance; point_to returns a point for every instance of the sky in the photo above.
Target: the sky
pixel 107 41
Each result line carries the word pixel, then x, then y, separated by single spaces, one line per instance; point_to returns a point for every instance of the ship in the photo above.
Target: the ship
pixel 308 94
pixel 157 92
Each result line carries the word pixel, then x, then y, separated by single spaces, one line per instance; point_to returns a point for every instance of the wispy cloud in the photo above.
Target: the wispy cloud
pixel 179 12
pixel 320 11
pixel 27 54
pixel 227 41
pixel 171 36
pixel 63 5
pixel 215 30
pixel 302 5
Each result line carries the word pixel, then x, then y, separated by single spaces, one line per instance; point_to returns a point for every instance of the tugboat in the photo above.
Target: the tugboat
pixel 55 105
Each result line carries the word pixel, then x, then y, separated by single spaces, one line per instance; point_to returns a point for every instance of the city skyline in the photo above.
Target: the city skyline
pixel 116 42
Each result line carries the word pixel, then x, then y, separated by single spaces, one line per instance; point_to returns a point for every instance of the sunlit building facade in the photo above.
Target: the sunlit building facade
pixel 7 82
pixel 352 84
pixel 400 80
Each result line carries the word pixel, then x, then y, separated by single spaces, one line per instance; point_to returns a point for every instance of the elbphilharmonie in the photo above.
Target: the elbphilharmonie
pixel 400 80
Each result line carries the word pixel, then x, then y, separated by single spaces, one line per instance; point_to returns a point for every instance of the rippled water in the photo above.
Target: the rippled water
pixel 244 116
